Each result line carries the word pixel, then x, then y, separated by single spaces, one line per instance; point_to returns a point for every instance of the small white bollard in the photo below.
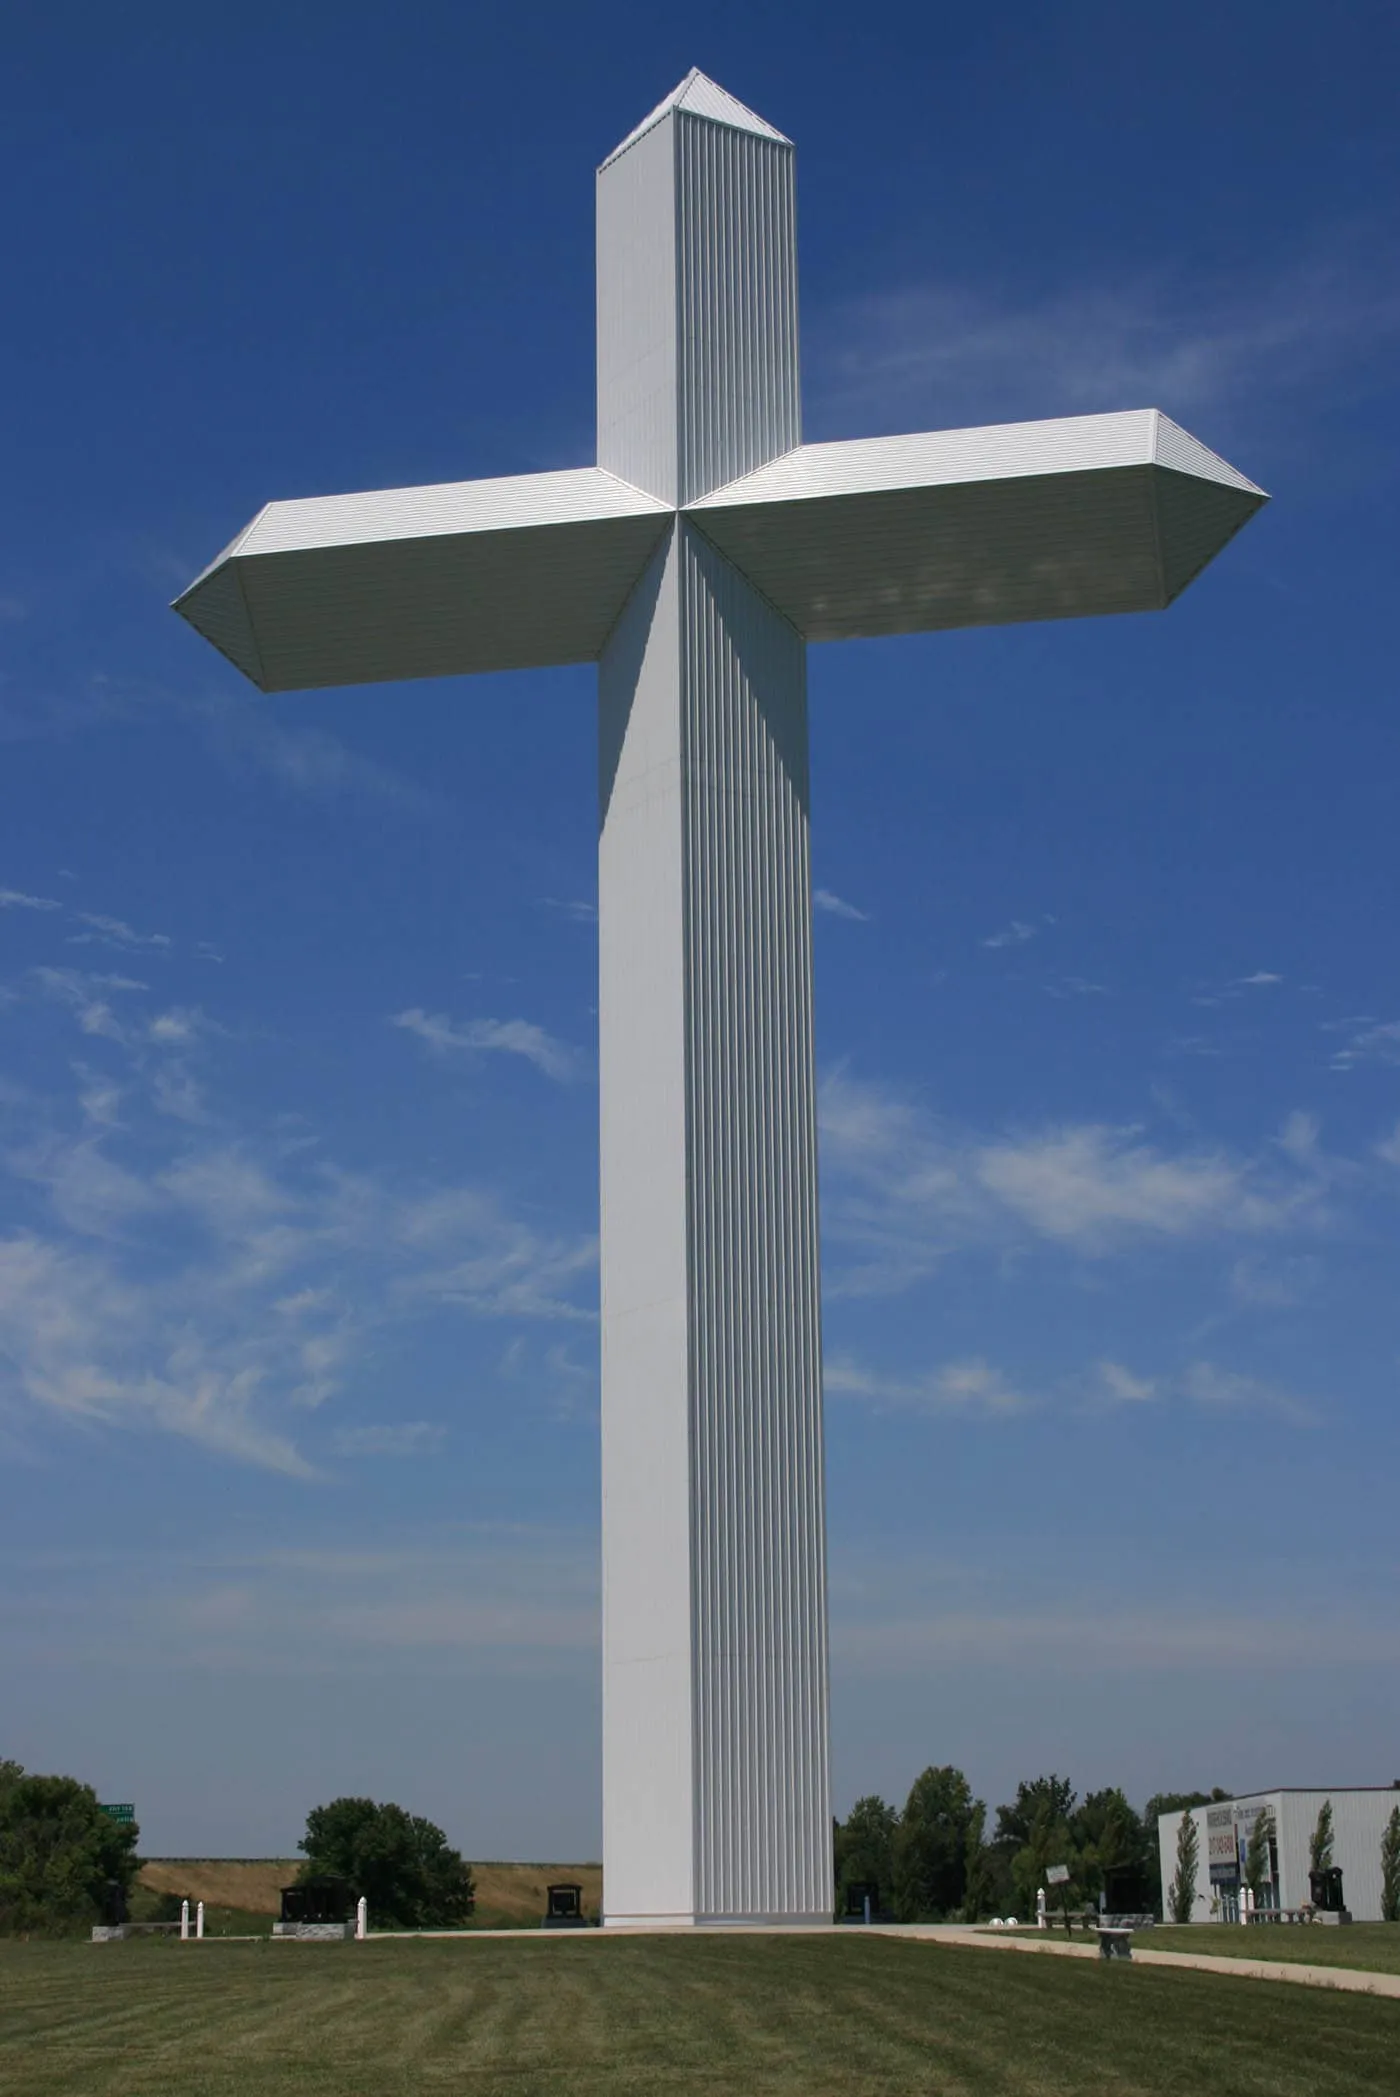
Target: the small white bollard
pixel 199 1920
pixel 361 1919
pixel 1041 1920
pixel 184 1922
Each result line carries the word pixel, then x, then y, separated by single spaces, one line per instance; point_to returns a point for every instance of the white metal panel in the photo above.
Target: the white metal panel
pixel 1359 1817
pixel 738 383
pixel 978 527
pixel 518 502
pixel 762 1798
pixel 428 582
pixel 697 306
pixel 994 451
pixel 701 97
pixel 648 1789
pixel 637 401
pixel 712 1351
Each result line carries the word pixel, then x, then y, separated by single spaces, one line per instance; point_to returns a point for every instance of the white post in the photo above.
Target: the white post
pixel 184 1921
pixel 199 1920
pixel 1040 1920
pixel 361 1919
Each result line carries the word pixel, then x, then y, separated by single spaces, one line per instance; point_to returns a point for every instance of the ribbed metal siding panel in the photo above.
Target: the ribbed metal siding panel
pixel 736 274
pixel 1176 447
pixel 637 313
pixel 437 607
pixel 702 97
pixel 519 502
pixel 216 607
pixel 762 1833
pixel 937 458
pixel 980 553
pixel 971 554
pixel 643 991
pixel 1195 519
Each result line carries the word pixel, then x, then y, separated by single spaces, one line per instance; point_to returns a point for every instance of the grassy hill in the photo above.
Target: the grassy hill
pixel 508 1896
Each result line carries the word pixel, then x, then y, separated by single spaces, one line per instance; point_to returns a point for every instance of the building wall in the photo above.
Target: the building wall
pixel 1358 1821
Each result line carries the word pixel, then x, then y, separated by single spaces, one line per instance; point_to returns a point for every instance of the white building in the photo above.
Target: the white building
pixel 1358 1822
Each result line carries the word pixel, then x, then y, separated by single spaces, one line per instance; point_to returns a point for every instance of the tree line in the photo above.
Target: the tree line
pixel 938 1860
pixel 66 1864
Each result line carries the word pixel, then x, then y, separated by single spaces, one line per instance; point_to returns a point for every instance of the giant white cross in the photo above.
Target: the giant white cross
pixel 693 564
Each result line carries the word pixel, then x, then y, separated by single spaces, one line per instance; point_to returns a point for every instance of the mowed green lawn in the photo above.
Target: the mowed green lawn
pixel 1373 1947
pixel 1369 1947
pixel 771 2016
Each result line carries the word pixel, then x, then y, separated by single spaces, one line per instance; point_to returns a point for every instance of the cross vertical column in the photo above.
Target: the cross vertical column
pixel 716 1795
pixel 715 1774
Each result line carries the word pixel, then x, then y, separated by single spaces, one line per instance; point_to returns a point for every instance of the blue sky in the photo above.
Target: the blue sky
pixel 298 1391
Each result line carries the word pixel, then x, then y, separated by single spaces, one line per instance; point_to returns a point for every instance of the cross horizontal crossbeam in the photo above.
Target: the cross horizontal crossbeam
pixel 977 527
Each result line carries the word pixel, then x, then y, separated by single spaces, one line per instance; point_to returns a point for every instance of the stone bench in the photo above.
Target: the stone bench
pixel 1115 1941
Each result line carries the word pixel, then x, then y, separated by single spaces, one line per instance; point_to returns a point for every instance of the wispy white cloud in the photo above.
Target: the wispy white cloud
pixel 185 1276
pixel 902 1189
pixel 78 1341
pixel 400 1438
pixel 1368 1041
pixel 972 1386
pixel 1204 1384
pixel 1013 935
pixel 511 1037
pixel 1274 1281
pixel 837 906
pixel 303 759
pixel 1237 987
pixel 1225 1390
pixel 112 932
pixel 470 1254
pixel 1077 987
pixel 16 899
pixel 1122 1387
pixel 935 354
pixel 575 910
pixel 180 1025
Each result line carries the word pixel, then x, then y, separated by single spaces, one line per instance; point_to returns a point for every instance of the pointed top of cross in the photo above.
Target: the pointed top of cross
pixel 700 96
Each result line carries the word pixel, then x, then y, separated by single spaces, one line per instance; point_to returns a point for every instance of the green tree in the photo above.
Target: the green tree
pixel 1188 1857
pixel 1320 1847
pixel 864 1847
pixel 400 1864
pixel 980 1874
pixel 1035 1832
pixel 1111 1845
pixel 59 1854
pixel 1390 1869
pixel 930 1846
pixel 1256 1856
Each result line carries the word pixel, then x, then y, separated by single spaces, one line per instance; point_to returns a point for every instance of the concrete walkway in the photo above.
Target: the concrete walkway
pixel 1348 1980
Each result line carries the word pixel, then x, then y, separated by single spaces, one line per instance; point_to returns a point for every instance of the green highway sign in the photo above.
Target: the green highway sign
pixel 121 1812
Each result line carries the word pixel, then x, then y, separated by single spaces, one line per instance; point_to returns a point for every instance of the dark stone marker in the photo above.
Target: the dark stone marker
pixel 564 1909
pixel 319 1900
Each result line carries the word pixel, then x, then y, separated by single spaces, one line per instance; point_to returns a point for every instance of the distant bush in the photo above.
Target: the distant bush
pixel 60 1855
pixel 401 1865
